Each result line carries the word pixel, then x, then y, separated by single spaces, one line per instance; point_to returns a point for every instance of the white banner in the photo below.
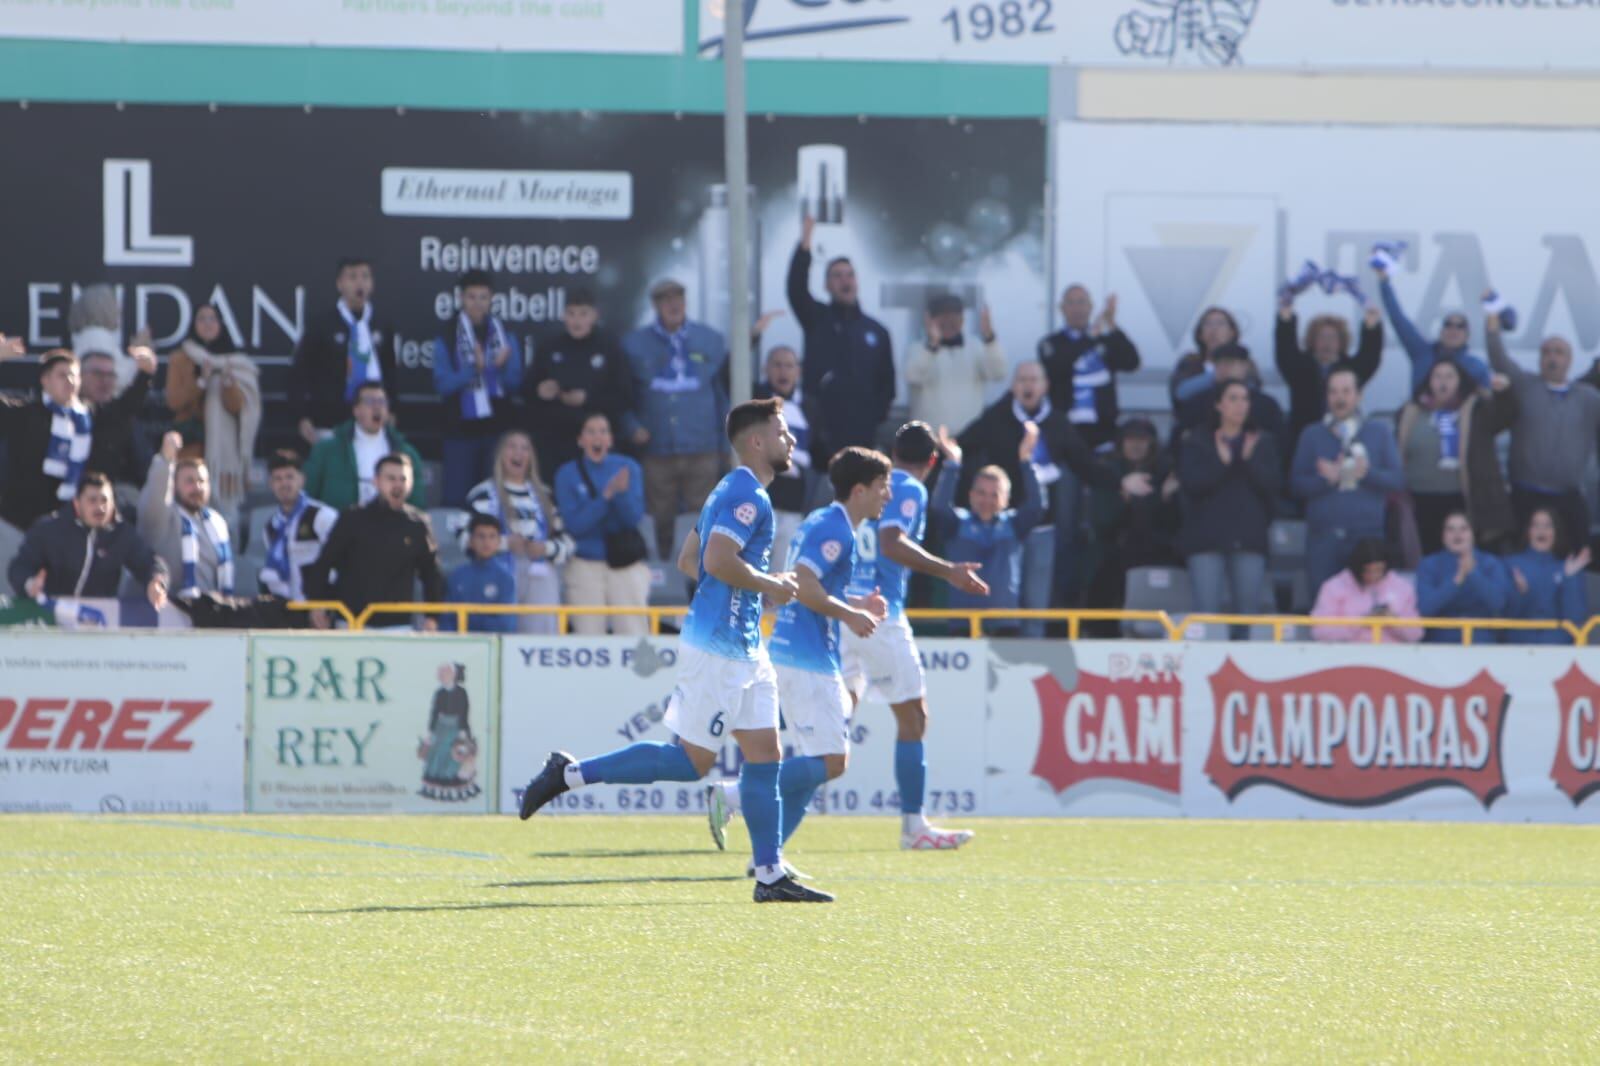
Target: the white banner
pixel 1300 34
pixel 588 697
pixel 1174 218
pixel 121 723
pixel 372 724
pixel 654 26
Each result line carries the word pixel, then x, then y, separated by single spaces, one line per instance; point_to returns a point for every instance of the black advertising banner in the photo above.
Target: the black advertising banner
pixel 252 207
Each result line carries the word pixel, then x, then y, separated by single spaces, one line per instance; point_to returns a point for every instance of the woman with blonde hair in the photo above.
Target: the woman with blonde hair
pixel 537 544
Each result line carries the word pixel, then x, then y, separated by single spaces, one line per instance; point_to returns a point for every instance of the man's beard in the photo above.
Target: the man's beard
pixel 780 465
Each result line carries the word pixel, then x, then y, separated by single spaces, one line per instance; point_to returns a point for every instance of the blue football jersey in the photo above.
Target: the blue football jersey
pixel 723 620
pixel 825 545
pixel 907 511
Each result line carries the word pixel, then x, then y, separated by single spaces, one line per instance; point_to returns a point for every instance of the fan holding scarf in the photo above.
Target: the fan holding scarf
pixel 176 519
pixel 342 349
pixel 477 368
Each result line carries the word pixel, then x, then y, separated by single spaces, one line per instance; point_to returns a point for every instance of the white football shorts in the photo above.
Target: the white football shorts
pixel 887 662
pixel 816 709
pixel 714 696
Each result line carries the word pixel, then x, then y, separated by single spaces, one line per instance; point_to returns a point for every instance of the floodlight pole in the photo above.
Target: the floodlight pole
pixel 736 162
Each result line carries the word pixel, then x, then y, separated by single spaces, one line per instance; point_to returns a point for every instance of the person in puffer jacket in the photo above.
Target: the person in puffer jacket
pixel 83 550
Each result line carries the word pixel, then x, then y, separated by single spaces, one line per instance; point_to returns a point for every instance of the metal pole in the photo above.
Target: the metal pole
pixel 736 161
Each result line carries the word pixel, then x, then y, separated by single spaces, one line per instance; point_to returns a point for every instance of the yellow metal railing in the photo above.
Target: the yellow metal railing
pixel 1175 629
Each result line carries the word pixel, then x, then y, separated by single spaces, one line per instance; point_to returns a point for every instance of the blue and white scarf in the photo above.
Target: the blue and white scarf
pixel 280 536
pixel 68 450
pixel 675 376
pixel 477 399
pixel 1448 425
pixel 216 532
pixel 361 362
pixel 1089 375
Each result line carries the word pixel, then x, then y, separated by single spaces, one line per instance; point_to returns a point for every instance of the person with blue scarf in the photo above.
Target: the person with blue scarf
pixel 1460 581
pixel 295 531
pixel 477 368
pixel 680 402
pixel 341 350
pixel 1547 583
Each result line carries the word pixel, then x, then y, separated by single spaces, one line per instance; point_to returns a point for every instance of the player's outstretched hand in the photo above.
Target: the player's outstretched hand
pixel 860 623
pixel 783 589
pixel 964 578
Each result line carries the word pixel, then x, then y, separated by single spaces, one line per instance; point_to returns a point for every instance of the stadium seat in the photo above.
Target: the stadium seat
pixel 1156 588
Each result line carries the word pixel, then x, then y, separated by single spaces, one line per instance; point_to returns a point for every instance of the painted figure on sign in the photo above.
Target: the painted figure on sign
pixel 449 753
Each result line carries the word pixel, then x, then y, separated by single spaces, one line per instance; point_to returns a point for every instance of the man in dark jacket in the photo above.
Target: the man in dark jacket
pixel 341 349
pixel 576 372
pixel 82 553
pixel 849 360
pixel 1082 360
pixel 379 552
pixel 53 440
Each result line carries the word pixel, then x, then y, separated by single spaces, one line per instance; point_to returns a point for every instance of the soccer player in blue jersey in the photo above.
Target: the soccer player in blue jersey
pixel 726 685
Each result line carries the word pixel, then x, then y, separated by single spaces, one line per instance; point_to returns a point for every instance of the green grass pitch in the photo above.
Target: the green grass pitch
pixel 247 939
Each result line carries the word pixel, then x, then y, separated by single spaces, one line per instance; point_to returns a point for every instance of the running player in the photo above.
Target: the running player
pixel 805 640
pixel 725 682
pixel 887 661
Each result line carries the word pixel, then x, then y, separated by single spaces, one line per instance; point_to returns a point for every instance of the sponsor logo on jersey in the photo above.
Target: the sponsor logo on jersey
pixel 745 513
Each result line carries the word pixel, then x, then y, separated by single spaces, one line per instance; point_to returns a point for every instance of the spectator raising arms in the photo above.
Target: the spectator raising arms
pixel 176 519
pixel 848 359
pixel 82 553
pixel 947 371
pixel 342 467
pixel 1344 468
pixel 484 578
pixel 602 500
pixel 1305 368
pixel 49 442
pixel 1462 582
pixel 378 552
pixel 680 402
pixel 1366 588
pixel 577 371
pixel 1553 435
pixel 1215 328
pixel 1547 582
pixel 342 349
pixel 477 368
pixel 118 447
pixel 1447 447
pixel 1082 360
pixel 992 532
pixel 1230 474
pixel 1454 331
pixel 536 544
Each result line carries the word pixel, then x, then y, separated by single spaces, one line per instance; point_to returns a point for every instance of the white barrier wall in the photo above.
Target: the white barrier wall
pixel 122 723
pixel 378 724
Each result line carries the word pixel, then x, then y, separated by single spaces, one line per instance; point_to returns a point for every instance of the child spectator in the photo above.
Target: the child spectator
pixel 485 577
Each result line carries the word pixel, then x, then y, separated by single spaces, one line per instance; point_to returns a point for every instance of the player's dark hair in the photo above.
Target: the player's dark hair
pixel 283 457
pixel 854 466
pixel 915 443
pixel 477 279
pixel 349 261
pixel 93 479
pixel 400 459
pixel 752 413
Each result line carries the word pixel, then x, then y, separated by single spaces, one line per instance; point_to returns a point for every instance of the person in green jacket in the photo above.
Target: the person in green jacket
pixel 339 471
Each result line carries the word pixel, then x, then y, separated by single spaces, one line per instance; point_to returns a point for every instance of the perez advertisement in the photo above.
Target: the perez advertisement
pixel 372 725
pixel 122 724
pixel 252 208
pixel 592 696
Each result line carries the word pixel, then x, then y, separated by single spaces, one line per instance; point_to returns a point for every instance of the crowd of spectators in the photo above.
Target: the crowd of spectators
pixel 566 468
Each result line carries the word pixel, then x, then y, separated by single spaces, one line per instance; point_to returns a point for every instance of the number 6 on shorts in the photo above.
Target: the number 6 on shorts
pixel 716 726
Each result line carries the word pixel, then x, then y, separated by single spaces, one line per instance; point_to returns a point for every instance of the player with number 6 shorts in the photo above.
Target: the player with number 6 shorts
pixel 887 662
pixel 805 640
pixel 726 688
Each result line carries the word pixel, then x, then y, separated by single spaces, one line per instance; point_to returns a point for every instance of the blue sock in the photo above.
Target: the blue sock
pixel 639 764
pixel 763 810
pixel 911 774
pixel 799 780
